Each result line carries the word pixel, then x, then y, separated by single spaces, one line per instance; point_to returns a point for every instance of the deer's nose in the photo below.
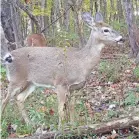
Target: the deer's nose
pixel 122 40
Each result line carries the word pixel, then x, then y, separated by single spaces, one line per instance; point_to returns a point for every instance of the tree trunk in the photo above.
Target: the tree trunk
pixel 57 7
pixel 19 26
pixel 14 23
pixel 66 15
pixel 77 11
pixel 120 10
pixel 6 21
pixel 96 6
pixel 105 10
pixel 91 6
pixel 31 22
pixel 53 25
pixel 112 9
pixel 44 17
pixel 129 21
pixel 136 10
pixel 4 41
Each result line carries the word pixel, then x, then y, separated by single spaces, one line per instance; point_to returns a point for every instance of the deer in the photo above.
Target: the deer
pixel 35 40
pixel 63 70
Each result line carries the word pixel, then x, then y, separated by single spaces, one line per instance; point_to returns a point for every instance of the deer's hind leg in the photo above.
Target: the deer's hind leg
pixel 21 91
pixel 13 89
pixel 20 99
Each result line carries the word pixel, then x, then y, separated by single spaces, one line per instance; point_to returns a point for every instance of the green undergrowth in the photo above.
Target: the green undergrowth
pixel 112 71
pixel 2 73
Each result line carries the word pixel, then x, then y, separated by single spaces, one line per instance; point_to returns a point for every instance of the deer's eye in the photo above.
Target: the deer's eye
pixel 106 30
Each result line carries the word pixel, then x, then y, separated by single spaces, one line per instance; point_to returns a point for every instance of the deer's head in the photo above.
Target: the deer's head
pixel 101 31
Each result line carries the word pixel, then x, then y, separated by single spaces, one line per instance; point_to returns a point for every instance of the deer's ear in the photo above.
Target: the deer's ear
pixel 88 18
pixel 98 17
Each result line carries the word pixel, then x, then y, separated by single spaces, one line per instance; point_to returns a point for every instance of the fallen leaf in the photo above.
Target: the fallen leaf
pixel 114 85
pixel 114 136
pixel 51 111
pixel 22 136
pixel 112 106
pixel 27 1
pixel 11 128
pixel 90 111
pixel 113 131
pixel 128 71
pixel 108 137
pixel 42 109
pixel 13 135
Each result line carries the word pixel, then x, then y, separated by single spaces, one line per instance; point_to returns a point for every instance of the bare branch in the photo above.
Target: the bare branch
pixel 18 4
pixel 95 129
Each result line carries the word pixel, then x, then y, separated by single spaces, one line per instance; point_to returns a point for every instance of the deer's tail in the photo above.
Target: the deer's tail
pixel 8 58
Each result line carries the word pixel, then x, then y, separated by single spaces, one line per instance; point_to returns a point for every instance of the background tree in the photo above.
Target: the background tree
pixel 131 28
pixel 60 20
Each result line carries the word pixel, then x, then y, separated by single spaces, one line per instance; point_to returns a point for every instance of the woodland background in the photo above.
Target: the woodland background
pixel 60 20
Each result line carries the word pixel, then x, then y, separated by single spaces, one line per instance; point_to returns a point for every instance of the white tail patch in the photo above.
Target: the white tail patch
pixel 8 58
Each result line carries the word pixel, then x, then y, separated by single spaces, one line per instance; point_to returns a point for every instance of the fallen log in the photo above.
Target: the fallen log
pixel 94 129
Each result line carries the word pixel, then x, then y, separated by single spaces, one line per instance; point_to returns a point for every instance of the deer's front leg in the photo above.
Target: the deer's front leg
pixel 21 108
pixel 61 93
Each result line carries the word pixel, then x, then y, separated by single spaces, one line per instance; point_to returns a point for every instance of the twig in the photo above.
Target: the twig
pixel 18 4
pixel 56 19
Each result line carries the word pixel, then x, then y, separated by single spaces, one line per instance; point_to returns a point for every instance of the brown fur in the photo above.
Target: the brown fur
pixel 36 40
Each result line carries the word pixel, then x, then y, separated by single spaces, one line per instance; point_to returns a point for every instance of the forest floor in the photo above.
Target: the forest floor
pixel 111 93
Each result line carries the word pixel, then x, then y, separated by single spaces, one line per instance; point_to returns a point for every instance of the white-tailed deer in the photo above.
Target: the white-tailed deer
pixel 35 40
pixel 64 70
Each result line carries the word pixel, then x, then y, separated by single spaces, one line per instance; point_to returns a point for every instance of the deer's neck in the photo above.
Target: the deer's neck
pixel 94 44
pixel 92 51
pixel 91 54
